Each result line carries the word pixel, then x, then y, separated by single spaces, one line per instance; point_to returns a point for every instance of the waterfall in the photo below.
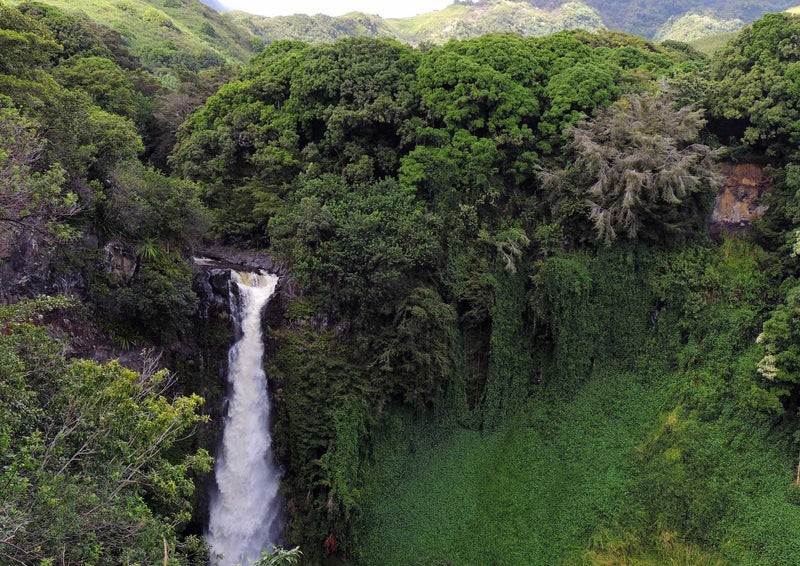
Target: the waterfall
pixel 244 506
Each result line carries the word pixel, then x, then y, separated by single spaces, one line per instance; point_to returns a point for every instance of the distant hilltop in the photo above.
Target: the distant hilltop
pixel 682 20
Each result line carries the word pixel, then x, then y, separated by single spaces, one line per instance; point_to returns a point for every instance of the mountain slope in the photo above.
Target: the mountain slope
pixel 683 20
pixel 215 4
pixel 695 26
pixel 314 29
pixel 169 34
pixel 712 43
pixel 460 21
pixel 175 34
pixel 457 21
pixel 646 17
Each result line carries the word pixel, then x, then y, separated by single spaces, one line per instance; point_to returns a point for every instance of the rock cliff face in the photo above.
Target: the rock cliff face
pixel 26 269
pixel 30 267
pixel 737 203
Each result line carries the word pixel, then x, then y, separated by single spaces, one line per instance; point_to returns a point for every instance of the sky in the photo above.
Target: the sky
pixel 385 8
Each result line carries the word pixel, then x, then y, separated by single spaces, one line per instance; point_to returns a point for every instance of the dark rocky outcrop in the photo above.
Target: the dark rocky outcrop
pixel 242 260
pixel 120 259
pixel 27 270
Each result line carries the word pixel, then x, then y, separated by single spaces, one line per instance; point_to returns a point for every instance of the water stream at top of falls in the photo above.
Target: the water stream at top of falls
pixel 244 507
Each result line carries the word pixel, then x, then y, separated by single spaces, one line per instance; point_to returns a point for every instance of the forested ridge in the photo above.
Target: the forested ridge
pixel 464 19
pixel 508 335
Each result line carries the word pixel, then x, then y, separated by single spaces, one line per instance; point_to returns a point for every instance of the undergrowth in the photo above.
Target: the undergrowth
pixel 665 449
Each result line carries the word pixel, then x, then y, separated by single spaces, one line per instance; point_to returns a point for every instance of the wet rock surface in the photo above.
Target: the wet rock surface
pixel 213 282
pixel 736 205
pixel 241 260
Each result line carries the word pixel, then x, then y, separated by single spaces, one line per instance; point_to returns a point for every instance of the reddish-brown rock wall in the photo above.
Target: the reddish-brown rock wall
pixel 736 206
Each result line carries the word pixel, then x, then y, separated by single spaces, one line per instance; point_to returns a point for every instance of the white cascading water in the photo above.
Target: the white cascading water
pixel 243 508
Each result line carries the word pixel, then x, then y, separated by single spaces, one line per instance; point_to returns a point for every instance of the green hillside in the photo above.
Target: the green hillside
pixel 712 43
pixel 169 34
pixel 187 33
pixel 459 21
pixel 646 17
pixel 685 20
pixel 174 33
pixel 313 29
pixel 695 26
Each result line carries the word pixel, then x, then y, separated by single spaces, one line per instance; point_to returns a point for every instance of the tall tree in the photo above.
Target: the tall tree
pixel 640 168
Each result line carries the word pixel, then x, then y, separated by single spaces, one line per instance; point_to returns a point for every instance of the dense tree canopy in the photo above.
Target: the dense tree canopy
pixel 401 184
pixel 756 84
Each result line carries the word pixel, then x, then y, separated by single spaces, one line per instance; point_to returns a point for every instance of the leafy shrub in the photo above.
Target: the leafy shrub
pixel 158 17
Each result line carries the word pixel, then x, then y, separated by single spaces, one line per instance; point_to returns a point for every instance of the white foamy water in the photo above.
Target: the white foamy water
pixel 245 505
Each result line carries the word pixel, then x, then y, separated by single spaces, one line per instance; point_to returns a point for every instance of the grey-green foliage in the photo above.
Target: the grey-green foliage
pixel 641 169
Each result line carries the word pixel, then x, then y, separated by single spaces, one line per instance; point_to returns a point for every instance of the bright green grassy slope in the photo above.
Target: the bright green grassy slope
pixel 546 495
pixel 712 43
pixel 524 496
pixel 659 459
pixel 167 33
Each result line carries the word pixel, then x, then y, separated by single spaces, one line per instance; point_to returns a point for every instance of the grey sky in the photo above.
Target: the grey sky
pixel 383 8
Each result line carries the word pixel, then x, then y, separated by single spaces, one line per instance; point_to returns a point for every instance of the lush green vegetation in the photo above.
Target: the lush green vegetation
pixel 457 21
pixel 691 27
pixel 94 464
pixel 712 43
pixel 167 35
pixel 87 469
pixel 76 116
pixel 463 21
pixel 173 36
pixel 508 338
pixel 623 457
pixel 645 17
pixel 446 211
pixel 314 29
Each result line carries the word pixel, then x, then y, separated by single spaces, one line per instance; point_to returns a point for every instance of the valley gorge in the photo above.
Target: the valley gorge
pixel 488 298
